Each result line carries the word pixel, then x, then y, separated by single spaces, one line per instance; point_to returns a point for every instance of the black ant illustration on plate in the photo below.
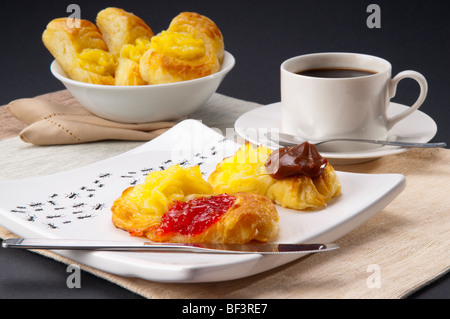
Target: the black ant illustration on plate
pixel 36 204
pixel 73 195
pixel 98 206
pixel 52 226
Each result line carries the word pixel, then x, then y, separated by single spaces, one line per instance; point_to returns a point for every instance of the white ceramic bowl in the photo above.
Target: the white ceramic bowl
pixel 145 103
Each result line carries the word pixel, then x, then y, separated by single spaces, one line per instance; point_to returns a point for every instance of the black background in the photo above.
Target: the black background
pixel 261 35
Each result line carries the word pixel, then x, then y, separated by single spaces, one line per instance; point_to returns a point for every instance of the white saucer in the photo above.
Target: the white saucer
pixel 418 127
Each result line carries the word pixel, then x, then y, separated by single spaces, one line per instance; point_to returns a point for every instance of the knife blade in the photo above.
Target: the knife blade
pixel 252 248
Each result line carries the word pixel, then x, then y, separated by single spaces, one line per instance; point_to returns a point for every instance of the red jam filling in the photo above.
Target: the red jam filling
pixel 195 216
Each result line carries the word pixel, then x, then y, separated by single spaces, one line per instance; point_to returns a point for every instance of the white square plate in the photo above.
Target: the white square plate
pixel 76 205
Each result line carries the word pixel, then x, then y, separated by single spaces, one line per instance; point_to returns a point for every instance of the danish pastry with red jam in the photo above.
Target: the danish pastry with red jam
pixel 177 205
pixel 231 219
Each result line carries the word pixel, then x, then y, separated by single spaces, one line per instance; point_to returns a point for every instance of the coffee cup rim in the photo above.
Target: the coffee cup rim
pixel 382 66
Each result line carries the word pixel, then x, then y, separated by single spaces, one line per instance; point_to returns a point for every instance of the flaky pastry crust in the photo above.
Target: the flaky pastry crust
pixel 67 39
pixel 127 73
pixel 202 27
pixel 166 64
pixel 120 28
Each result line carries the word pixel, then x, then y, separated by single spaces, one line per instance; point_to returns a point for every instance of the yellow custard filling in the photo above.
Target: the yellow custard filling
pixel 135 51
pixel 97 61
pixel 151 199
pixel 178 45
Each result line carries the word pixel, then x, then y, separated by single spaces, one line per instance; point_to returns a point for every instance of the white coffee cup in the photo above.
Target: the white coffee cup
pixel 319 108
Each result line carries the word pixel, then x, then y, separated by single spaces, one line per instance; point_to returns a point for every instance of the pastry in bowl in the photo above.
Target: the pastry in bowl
pixel 120 28
pixel 201 27
pixel 128 38
pixel 296 177
pixel 80 50
pixel 191 48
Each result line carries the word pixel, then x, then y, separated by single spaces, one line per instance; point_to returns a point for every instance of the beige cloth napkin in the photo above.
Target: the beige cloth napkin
pixel 54 124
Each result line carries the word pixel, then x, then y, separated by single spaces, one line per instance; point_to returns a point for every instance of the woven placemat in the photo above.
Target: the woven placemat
pixel 400 249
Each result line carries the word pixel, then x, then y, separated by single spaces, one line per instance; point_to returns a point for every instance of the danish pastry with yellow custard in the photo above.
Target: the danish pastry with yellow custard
pixel 191 48
pixel 79 49
pixel 201 27
pixel 119 28
pixel 128 38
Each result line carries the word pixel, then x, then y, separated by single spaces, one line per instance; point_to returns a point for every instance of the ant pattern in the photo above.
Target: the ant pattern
pixel 73 195
pixel 98 206
pixel 133 183
pixel 183 162
pixel 53 216
pixel 17 211
pixel 35 204
pixel 85 216
pixel 52 226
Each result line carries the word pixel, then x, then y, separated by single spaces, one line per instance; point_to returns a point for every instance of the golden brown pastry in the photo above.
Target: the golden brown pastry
pixel 128 38
pixel 120 28
pixel 201 27
pixel 229 219
pixel 191 48
pixel 246 171
pixel 127 73
pixel 80 51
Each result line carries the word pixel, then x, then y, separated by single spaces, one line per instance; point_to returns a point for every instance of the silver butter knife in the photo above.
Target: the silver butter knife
pixel 253 248
pixel 288 140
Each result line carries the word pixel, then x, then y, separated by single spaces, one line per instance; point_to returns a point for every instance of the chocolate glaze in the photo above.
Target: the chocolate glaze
pixel 298 160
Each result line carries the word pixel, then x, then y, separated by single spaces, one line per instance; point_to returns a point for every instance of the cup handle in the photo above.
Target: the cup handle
pixel 393 88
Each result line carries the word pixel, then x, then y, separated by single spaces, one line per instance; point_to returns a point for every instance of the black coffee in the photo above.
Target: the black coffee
pixel 336 73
